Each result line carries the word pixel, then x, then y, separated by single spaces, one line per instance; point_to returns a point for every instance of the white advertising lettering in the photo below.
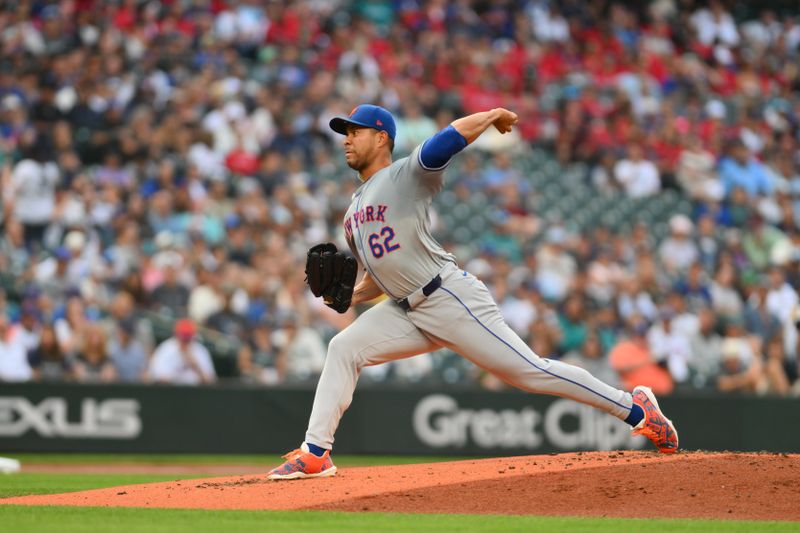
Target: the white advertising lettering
pixel 595 430
pixel 113 418
pixel 439 422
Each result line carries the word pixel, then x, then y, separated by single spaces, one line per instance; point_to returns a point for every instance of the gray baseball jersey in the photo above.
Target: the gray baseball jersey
pixel 388 227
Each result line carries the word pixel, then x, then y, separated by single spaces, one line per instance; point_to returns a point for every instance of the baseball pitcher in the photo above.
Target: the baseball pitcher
pixel 431 303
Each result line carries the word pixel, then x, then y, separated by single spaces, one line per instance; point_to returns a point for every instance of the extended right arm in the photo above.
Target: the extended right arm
pixel 472 126
pixel 436 152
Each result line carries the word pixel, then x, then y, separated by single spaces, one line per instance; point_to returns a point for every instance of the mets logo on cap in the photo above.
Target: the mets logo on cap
pixel 365 116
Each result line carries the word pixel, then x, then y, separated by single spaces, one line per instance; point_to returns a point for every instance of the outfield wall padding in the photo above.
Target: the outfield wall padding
pixel 425 421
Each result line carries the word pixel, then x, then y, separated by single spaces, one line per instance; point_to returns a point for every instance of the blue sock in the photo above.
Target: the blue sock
pixel 636 416
pixel 316 450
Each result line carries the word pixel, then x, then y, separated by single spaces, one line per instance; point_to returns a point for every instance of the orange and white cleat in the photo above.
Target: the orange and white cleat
pixel 302 464
pixel 655 426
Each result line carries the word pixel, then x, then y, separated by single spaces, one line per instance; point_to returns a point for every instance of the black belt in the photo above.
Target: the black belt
pixel 427 290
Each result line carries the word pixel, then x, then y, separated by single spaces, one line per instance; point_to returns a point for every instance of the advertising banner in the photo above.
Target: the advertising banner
pixel 234 419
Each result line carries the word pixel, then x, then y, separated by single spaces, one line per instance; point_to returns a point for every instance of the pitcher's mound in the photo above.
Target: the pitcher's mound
pixel 619 484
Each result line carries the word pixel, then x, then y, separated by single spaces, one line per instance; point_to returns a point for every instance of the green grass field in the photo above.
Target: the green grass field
pixel 58 520
pixel 24 519
pixel 166 459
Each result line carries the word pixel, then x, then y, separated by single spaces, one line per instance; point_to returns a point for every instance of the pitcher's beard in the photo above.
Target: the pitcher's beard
pixel 358 166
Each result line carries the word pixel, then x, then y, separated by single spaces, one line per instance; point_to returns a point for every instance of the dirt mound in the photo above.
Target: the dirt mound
pixel 620 484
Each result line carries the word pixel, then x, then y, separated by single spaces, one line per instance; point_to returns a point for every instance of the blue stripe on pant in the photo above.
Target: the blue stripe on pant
pixel 567 380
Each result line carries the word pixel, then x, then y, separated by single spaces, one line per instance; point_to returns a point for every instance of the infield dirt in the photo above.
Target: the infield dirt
pixel 614 484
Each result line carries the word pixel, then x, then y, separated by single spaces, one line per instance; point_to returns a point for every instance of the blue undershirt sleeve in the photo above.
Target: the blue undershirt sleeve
pixel 437 151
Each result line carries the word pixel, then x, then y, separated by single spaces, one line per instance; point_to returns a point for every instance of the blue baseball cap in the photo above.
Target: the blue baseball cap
pixel 62 253
pixel 232 220
pixel 367 116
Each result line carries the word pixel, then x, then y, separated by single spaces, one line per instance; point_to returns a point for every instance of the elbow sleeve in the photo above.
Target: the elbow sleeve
pixel 437 151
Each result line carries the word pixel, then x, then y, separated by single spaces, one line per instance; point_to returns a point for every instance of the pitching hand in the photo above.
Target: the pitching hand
pixel 505 120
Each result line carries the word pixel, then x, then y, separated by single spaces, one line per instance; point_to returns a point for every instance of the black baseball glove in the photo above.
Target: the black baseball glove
pixel 332 275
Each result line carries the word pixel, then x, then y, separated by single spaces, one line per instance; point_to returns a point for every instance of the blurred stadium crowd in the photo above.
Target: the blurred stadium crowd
pixel 166 165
